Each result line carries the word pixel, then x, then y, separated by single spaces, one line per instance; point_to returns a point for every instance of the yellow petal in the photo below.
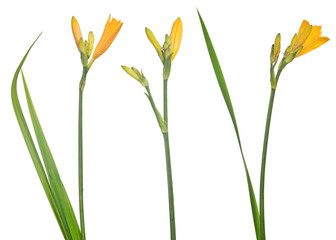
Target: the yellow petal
pixel 303 36
pixel 303 26
pixel 176 36
pixel 313 45
pixel 76 31
pixel 111 30
pixel 315 34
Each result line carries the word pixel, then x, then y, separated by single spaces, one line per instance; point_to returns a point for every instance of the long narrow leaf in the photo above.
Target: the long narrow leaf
pixel 225 93
pixel 31 146
pixel 54 178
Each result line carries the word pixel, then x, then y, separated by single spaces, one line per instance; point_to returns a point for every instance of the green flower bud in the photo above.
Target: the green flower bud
pixel 82 50
pixel 167 46
pixel 134 73
pixel 277 45
pixel 90 42
pixel 155 43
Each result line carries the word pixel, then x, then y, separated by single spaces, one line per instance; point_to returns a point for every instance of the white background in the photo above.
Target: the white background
pixel 124 165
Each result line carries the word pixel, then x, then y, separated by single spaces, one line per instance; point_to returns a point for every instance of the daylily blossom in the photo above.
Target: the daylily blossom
pixel 176 36
pixel 309 37
pixel 112 28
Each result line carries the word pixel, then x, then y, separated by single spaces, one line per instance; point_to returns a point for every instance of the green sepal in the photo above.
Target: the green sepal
pixel 167 67
pixel 273 80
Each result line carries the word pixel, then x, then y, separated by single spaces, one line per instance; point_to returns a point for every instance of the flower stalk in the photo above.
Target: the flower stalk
pixel 112 28
pixel 307 39
pixel 166 54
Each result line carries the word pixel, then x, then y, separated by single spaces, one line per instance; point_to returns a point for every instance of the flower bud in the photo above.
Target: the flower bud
pixel 276 50
pixel 134 73
pixel 90 42
pixel 76 31
pixel 82 50
pixel 167 47
pixel 176 36
pixel 155 43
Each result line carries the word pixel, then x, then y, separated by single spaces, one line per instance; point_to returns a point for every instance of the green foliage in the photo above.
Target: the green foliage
pixel 47 171
pixel 227 99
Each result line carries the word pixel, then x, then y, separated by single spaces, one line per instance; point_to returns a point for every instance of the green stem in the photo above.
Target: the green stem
pixel 264 152
pixel 263 166
pixel 168 164
pixel 170 188
pixel 80 153
pixel 165 100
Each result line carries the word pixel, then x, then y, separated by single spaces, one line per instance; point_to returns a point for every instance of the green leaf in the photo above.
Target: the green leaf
pixel 227 99
pixel 51 181
pixel 53 175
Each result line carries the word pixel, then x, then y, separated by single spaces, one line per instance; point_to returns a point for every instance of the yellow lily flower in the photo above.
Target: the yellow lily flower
pixel 76 31
pixel 176 36
pixel 309 37
pixel 111 30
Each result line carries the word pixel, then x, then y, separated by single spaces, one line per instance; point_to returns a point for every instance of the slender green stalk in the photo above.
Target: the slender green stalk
pixel 167 153
pixel 165 100
pixel 263 166
pixel 170 188
pixel 264 153
pixel 168 164
pixel 80 153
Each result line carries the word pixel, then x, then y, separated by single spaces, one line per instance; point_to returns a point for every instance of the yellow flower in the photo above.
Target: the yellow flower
pixel 111 30
pixel 76 31
pixel 309 37
pixel 176 36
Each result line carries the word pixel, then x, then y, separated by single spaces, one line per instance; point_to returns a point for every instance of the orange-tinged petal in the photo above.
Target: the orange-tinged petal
pixel 76 30
pixel 111 30
pixel 315 34
pixel 303 36
pixel 176 36
pixel 313 45
pixel 303 26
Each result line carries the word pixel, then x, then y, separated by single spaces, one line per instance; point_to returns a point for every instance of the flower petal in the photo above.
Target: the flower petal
pixel 315 34
pixel 313 45
pixel 303 36
pixel 304 24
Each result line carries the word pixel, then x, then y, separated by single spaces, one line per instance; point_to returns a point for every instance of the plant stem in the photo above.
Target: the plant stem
pixel 80 153
pixel 264 152
pixel 263 166
pixel 165 100
pixel 168 164
pixel 170 188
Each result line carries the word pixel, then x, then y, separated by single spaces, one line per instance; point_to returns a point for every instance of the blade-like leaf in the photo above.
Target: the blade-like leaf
pixel 225 93
pixel 31 146
pixel 53 175
pixel 51 181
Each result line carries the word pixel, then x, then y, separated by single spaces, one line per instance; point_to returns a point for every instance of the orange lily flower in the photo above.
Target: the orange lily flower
pixel 111 30
pixel 309 37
